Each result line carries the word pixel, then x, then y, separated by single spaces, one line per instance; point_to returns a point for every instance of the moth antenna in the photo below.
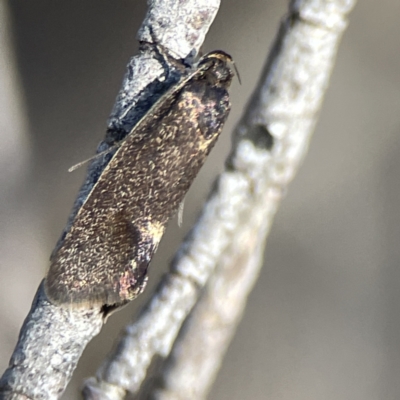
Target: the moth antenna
pixel 237 72
pixel 95 157
pixel 80 164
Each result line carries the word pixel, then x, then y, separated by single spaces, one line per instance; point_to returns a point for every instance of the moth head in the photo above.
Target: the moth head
pixel 218 67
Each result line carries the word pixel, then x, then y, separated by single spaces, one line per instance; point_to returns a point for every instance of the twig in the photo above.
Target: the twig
pixel 14 151
pixel 270 142
pixel 53 338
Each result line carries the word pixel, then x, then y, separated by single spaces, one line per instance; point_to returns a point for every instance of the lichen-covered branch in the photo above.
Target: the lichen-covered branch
pixel 53 338
pixel 228 240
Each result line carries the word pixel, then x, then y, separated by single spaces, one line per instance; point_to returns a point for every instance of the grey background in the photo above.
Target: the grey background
pixel 323 320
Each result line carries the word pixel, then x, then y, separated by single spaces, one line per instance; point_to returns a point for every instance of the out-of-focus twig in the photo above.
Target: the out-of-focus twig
pixel 52 337
pixel 14 141
pixel 15 157
pixel 270 142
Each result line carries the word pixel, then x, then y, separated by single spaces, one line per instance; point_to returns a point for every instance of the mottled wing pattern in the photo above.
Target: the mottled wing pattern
pixel 104 256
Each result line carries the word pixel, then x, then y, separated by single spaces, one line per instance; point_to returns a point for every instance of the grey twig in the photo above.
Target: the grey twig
pixel 270 142
pixel 53 338
pixel 14 151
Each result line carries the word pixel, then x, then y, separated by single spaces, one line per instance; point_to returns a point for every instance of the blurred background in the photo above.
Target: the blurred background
pixel 323 321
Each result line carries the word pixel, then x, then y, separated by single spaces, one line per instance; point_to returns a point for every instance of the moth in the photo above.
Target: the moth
pixel 104 256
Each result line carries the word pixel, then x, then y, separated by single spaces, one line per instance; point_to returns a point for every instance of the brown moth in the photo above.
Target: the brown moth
pixel 104 256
